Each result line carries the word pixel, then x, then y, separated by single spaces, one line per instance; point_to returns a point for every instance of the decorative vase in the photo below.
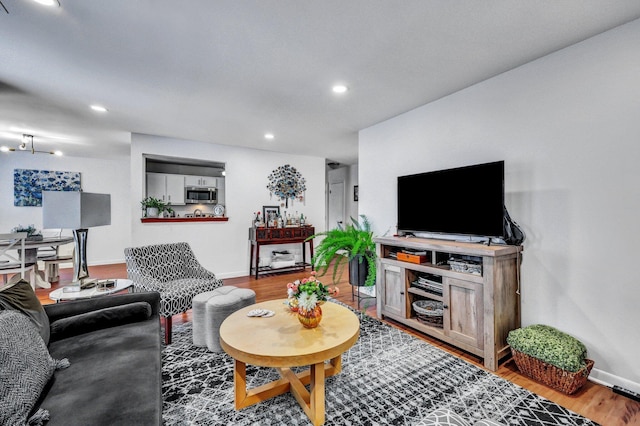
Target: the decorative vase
pixel 152 212
pixel 310 318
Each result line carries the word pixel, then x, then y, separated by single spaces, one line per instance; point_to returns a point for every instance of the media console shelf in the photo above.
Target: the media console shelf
pixel 478 291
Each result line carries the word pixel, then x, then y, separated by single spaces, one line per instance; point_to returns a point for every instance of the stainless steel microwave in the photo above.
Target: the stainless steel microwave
pixel 200 195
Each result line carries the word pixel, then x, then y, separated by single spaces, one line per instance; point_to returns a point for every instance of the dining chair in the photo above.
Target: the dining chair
pixel 52 257
pixel 14 263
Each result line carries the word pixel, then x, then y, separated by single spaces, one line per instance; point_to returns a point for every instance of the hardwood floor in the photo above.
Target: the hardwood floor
pixel 594 401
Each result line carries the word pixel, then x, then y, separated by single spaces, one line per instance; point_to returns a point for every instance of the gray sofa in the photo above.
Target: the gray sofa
pixel 114 352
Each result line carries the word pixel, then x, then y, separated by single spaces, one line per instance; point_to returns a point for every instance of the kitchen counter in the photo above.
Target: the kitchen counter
pixel 182 219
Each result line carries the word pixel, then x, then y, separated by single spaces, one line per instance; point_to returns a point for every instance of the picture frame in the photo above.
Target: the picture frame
pixel 269 209
pixel 355 192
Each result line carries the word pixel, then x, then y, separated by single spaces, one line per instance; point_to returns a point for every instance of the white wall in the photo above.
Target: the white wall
pixel 223 247
pixel 353 180
pixel 220 246
pixel 106 176
pixel 568 128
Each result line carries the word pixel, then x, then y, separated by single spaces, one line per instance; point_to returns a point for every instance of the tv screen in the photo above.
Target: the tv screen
pixel 462 201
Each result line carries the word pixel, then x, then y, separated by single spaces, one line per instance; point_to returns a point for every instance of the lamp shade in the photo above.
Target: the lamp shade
pixel 75 209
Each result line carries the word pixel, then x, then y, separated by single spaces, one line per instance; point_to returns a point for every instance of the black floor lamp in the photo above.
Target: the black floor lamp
pixel 78 211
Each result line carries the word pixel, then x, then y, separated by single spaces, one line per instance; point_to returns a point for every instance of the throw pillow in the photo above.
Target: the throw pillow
pixel 25 368
pixel 18 295
pixel 101 318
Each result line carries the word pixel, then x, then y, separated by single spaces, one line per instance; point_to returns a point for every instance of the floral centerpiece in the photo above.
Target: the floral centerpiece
pixel 305 297
pixel 32 232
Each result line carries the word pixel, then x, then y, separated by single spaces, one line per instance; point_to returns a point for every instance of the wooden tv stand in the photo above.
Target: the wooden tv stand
pixel 479 307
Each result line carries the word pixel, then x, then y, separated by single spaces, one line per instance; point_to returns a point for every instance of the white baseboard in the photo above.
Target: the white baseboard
pixel 608 379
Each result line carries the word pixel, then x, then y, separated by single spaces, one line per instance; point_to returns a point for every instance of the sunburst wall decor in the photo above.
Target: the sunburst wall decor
pixel 286 183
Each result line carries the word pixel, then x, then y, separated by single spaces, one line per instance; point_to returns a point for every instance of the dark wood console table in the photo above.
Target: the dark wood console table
pixel 267 236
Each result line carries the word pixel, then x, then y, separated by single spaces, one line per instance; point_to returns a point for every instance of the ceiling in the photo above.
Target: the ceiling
pixel 228 71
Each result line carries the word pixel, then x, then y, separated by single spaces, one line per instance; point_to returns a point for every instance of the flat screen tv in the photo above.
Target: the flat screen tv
pixel 461 201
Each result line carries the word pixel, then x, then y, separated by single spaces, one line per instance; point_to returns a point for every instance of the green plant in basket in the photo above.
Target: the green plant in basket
pixel 549 345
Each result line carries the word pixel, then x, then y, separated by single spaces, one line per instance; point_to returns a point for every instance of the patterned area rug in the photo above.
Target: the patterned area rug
pixel 388 378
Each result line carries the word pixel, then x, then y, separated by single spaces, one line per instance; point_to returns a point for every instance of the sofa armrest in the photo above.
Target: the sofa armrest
pixel 67 309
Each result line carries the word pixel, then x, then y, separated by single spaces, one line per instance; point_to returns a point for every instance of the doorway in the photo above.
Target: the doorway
pixel 336 205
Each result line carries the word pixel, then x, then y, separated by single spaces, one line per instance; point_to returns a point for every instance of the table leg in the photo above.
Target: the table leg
pixel 311 252
pixel 240 383
pixel 316 403
pixel 251 258
pixel 38 279
pixel 257 261
pixel 312 401
pixel 304 257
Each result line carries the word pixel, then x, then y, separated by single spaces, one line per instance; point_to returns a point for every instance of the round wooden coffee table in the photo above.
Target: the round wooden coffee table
pixel 282 342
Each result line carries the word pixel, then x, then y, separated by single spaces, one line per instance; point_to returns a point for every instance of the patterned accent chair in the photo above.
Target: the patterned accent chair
pixel 173 271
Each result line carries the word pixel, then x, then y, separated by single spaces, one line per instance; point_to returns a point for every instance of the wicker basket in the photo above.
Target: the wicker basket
pixel 550 375
pixel 429 312
pixel 466 267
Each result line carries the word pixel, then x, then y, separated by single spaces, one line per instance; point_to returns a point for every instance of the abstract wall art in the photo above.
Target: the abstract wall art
pixel 286 183
pixel 29 184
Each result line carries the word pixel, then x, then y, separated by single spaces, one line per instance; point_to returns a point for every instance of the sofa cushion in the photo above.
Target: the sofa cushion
pixel 18 295
pixel 26 367
pixel 98 319
pixel 114 377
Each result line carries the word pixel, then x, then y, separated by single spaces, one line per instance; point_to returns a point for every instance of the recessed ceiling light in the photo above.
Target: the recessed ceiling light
pixel 269 136
pixel 58 153
pixel 48 2
pixel 339 88
pixel 99 108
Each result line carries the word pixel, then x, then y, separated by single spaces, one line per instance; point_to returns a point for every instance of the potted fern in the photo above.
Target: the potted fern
pixel 353 244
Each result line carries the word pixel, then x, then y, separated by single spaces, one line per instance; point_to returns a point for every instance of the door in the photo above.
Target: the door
pixel 463 311
pixel 392 290
pixel 336 205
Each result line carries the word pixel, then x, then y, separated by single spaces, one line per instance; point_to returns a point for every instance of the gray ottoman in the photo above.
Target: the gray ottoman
pixel 211 308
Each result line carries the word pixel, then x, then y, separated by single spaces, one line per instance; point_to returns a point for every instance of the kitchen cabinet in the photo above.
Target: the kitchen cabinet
pixel 476 285
pixel 208 181
pixel 166 187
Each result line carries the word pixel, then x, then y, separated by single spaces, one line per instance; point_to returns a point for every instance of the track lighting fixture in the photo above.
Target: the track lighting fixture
pixel 27 145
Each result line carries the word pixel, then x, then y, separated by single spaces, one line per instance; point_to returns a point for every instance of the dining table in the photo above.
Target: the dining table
pixel 31 254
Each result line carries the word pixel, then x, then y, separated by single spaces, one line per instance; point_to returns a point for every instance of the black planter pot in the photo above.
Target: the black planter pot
pixel 358 270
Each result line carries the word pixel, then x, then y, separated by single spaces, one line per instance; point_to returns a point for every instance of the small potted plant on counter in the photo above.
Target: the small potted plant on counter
pixel 152 207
